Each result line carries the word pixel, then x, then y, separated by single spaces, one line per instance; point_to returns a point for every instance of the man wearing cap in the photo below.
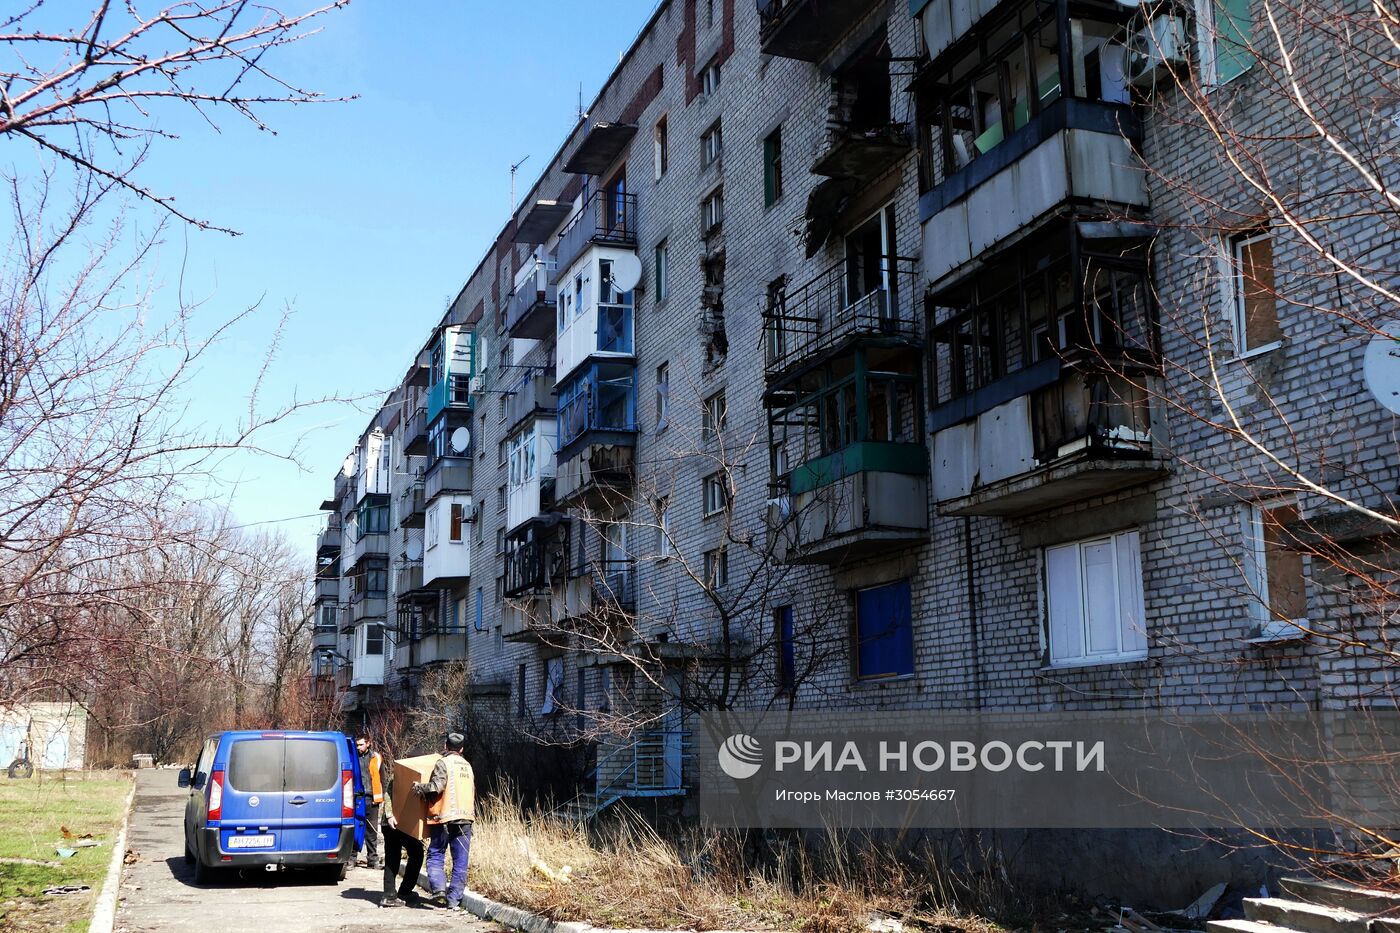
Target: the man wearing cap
pixel 450 792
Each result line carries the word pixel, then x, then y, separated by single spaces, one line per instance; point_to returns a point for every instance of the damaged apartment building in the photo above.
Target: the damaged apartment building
pixel 832 362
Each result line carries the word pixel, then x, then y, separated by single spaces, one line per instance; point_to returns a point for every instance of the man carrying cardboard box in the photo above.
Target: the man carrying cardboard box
pixel 396 843
pixel 451 796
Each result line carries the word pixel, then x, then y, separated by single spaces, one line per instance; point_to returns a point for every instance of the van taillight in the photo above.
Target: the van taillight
pixel 347 793
pixel 216 795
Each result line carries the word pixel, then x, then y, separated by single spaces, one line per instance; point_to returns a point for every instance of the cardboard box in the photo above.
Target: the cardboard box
pixel 410 810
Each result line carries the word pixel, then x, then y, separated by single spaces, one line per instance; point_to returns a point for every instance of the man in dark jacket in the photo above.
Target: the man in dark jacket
pixel 396 843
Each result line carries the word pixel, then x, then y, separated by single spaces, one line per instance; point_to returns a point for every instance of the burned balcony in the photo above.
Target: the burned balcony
pixel 530 306
pixel 411 504
pixel 415 433
pixel 859 299
pixel 535 554
pixel 863 140
pixel 807 29
pixel 597 433
pixel 607 218
pixel 1048 379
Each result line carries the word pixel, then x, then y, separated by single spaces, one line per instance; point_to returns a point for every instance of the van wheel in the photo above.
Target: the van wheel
pixel 335 874
pixel 189 856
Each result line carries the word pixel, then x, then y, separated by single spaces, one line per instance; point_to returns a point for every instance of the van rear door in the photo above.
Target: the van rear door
pixel 251 815
pixel 313 798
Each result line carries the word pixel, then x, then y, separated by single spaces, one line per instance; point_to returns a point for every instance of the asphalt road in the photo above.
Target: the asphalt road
pixel 158 890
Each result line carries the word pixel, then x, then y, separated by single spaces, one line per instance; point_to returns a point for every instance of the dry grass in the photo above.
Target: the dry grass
pixel 629 877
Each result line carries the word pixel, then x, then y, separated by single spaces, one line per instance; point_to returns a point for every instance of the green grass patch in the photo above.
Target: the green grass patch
pixel 34 812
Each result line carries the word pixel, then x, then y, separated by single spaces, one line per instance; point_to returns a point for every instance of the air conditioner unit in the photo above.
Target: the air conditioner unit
pixel 477 385
pixel 1162 42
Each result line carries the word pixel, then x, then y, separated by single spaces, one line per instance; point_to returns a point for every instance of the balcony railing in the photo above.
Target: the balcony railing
pixel 412 503
pixel 614 583
pixel 415 435
pixel 327 589
pixel 607 217
pixel 453 474
pixel 874 297
pixel 584 414
pixel 454 391
pixel 530 307
pixel 343 485
pixel 408 583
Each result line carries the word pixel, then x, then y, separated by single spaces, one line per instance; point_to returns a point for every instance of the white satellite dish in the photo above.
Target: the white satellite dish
pixel 626 271
pixel 460 440
pixel 1381 367
pixel 413 548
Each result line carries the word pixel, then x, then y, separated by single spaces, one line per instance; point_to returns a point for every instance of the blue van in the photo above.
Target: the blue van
pixel 274 799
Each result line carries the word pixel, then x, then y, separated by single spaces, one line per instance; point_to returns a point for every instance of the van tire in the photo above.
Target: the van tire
pixel 189 855
pixel 203 874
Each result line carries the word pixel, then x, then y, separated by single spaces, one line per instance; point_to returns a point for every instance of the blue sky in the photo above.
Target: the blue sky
pixel 365 217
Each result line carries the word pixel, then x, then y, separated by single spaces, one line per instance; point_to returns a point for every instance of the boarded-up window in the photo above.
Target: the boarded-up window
pixel 1256 310
pixel 455 529
pixel 1273 568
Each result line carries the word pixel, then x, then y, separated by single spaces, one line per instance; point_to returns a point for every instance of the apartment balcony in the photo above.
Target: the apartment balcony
pixel 415 434
pixel 605 590
pixel 449 475
pixel 370 606
pixel 447 564
pixel 602 143
pixel 327 589
pixel 412 502
pixel 328 539
pixel 868 499
pixel 323 638
pixel 807 29
pixel 452 364
pixel 453 391
pixel 862 154
pixel 409 587
pixel 368 670
pixel 865 300
pixel 530 305
pixel 372 544
pixel 532 397
pixel 536 554
pixel 343 486
pixel 1061 431
pixel 541 219
pixel 607 218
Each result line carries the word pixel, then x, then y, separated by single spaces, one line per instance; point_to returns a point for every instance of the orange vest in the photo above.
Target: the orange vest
pixel 456 802
pixel 376 780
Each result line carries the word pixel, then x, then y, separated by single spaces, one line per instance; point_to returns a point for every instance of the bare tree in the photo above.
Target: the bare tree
pixel 86 85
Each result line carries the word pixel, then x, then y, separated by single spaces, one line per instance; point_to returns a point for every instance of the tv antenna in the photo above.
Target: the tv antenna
pixel 513 169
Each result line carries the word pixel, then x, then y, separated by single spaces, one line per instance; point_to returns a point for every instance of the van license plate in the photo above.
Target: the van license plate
pixel 250 842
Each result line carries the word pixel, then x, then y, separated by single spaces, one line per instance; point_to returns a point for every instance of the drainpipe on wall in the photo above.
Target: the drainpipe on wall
pixel 973 620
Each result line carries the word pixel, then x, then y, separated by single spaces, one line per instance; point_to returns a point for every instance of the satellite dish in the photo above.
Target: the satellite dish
pixel 460 440
pixel 626 271
pixel 413 548
pixel 1381 367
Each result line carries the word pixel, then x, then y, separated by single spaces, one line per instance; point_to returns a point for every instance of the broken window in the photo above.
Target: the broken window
pixel 1252 288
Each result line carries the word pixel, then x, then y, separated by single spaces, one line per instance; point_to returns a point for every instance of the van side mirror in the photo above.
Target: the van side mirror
pixel 184 779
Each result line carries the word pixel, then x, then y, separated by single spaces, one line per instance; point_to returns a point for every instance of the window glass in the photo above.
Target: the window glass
pixel 255 765
pixel 1094 599
pixel 311 765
